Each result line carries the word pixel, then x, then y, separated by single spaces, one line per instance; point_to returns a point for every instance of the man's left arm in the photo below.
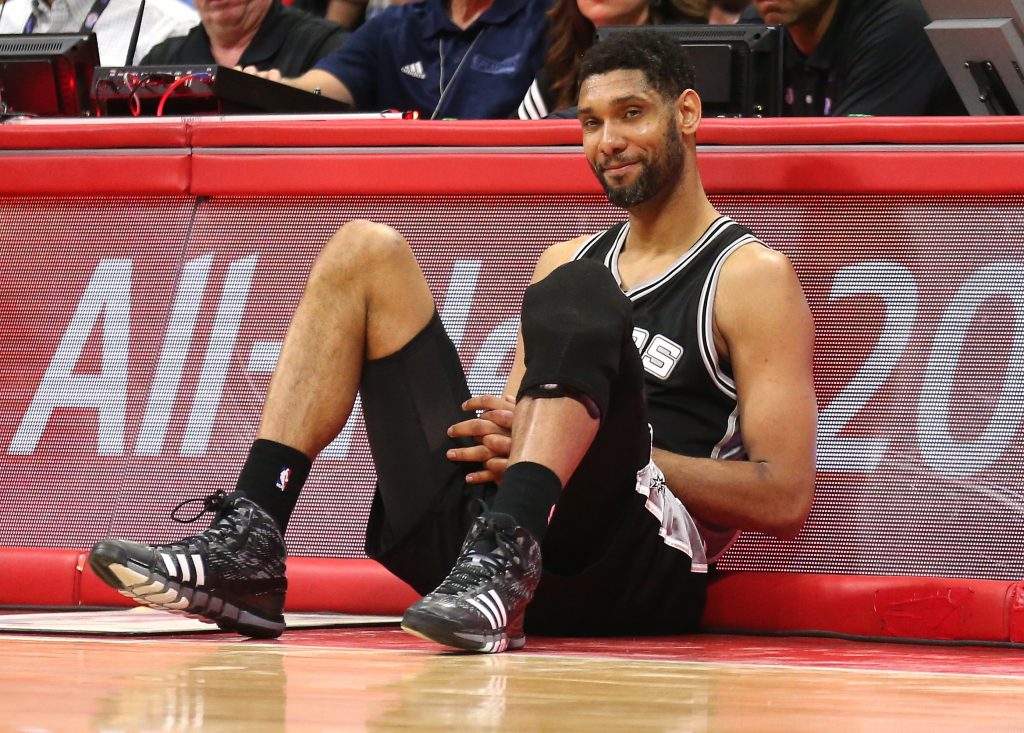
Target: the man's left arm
pixel 763 327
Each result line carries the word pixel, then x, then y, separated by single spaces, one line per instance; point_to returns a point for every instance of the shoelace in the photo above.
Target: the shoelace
pixel 474 567
pixel 212 503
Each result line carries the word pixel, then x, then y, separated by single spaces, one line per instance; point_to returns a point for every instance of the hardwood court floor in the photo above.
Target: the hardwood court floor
pixel 384 680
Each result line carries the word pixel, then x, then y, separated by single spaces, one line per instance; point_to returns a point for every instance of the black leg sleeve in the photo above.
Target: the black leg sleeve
pixel 576 323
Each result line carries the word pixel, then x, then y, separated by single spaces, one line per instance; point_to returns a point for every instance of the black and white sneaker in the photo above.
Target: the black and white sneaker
pixel 481 604
pixel 232 574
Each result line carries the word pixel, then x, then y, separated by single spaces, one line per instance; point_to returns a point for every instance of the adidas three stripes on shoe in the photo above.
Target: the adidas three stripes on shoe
pixel 232 574
pixel 480 606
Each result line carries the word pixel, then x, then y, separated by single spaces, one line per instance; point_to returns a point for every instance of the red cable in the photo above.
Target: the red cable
pixel 170 90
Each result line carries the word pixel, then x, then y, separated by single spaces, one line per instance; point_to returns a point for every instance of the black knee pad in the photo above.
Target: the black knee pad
pixel 575 323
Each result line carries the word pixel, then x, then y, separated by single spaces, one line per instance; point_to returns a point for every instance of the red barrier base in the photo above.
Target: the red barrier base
pixel 878 607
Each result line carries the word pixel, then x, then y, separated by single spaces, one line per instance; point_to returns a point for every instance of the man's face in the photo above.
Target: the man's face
pixel 228 14
pixel 791 12
pixel 630 136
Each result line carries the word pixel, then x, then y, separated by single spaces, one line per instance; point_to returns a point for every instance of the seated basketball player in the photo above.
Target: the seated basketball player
pixel 676 328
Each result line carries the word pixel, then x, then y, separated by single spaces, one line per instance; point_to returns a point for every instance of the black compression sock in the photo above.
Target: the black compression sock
pixel 528 491
pixel 272 477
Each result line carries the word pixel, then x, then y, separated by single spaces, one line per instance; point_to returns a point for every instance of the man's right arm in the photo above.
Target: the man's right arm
pixel 315 79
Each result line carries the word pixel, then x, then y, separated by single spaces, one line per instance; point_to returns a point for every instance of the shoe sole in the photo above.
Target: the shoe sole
pixel 448 633
pixel 138 582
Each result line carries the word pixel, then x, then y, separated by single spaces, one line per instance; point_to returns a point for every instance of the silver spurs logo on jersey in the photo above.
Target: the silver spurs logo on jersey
pixel 659 355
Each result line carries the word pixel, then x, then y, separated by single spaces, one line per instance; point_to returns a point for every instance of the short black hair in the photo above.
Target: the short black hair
pixel 662 60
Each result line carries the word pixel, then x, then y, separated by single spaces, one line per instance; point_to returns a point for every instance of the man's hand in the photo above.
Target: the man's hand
pixel 492 431
pixel 314 80
pixel 272 74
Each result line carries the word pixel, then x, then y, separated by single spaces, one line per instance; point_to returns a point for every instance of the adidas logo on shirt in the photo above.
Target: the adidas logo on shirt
pixel 415 70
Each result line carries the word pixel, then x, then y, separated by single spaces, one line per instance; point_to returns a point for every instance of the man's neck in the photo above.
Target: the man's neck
pixel 807 33
pixel 464 12
pixel 672 222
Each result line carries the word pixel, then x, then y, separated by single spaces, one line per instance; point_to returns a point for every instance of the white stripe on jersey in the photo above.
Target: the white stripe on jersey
pixel 705 320
pixel 587 245
pixel 730 431
pixel 644 288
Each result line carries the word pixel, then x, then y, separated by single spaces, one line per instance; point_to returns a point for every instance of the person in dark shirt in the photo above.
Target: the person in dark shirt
pixel 260 33
pixel 859 57
pixel 463 59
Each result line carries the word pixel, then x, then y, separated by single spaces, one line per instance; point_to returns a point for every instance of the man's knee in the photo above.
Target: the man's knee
pixel 360 248
pixel 579 294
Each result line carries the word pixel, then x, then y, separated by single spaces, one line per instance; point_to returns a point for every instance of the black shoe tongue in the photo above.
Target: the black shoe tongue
pixel 486 541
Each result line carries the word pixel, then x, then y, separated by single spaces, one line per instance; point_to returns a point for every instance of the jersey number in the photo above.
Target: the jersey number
pixel 661 355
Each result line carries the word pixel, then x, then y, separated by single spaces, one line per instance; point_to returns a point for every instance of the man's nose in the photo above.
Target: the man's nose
pixel 612 141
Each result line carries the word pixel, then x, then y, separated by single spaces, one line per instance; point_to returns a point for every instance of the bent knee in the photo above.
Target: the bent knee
pixel 360 247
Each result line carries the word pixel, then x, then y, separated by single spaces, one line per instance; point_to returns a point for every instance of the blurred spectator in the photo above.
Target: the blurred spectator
pixel 573 24
pixel 348 14
pixel 113 22
pixel 260 33
pixel 859 57
pixel 470 59
pixel 726 12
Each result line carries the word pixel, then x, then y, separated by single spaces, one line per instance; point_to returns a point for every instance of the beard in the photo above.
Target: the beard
pixel 654 175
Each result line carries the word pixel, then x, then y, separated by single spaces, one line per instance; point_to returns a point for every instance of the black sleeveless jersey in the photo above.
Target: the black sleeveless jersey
pixel 691 396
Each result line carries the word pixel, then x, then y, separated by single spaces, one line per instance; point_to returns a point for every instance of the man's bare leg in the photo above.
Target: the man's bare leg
pixel 365 299
pixel 555 432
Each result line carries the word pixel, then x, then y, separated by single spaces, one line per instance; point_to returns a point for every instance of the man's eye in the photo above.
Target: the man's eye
pixel 633 112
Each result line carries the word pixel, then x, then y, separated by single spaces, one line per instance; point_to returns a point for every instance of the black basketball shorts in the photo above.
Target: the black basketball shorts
pixel 606 567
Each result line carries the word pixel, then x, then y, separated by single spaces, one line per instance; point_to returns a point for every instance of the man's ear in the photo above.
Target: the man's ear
pixel 688 109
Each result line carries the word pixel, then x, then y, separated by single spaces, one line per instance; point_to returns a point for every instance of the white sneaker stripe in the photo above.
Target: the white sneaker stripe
pixel 186 572
pixel 197 560
pixel 483 608
pixel 172 571
pixel 502 613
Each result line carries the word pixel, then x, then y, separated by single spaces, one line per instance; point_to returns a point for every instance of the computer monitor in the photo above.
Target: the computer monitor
pixel 738 67
pixel 981 46
pixel 47 74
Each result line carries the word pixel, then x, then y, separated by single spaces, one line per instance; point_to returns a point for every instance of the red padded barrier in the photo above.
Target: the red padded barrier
pixel 864 171
pixel 260 173
pixel 31 173
pixel 338 132
pixel 895 607
pixel 354 586
pixel 859 130
pixel 943 609
pixel 35 576
pixel 95 134
pixel 763 171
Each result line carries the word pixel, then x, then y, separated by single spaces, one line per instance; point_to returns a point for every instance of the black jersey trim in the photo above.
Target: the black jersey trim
pixel 705 319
